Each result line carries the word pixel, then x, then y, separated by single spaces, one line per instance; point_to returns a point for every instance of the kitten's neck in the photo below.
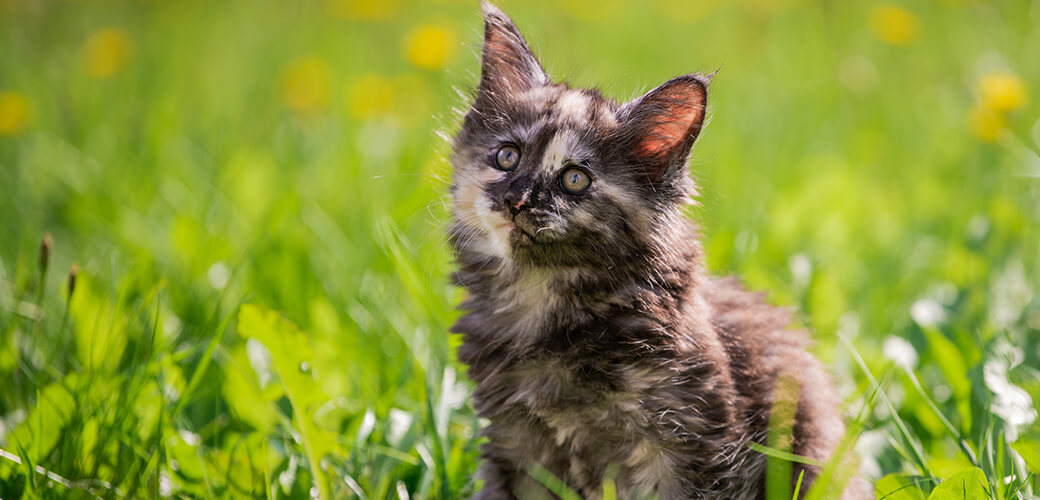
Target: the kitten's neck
pixel 520 304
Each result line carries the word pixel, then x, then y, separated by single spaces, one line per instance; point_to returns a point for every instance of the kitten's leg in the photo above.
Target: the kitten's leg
pixel 502 482
pixel 498 482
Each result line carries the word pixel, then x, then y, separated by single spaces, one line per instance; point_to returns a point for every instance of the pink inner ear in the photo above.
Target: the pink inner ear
pixel 508 64
pixel 680 112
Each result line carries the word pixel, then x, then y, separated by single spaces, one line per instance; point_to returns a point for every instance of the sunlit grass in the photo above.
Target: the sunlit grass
pixel 253 197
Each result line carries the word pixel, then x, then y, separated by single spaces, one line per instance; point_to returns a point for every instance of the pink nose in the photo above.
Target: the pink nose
pixel 515 204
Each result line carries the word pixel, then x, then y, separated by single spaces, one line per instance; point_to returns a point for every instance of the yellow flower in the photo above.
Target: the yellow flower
pixel 305 85
pixel 430 46
pixel 1002 92
pixel 14 112
pixel 894 25
pixel 106 52
pixel 986 123
pixel 368 10
pixel 369 96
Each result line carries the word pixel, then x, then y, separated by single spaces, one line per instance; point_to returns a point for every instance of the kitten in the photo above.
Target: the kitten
pixel 599 346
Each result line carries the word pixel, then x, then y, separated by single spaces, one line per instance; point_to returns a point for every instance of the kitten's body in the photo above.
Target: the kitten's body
pixel 598 343
pixel 672 403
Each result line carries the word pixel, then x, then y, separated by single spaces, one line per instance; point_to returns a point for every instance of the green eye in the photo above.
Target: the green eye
pixel 507 158
pixel 575 180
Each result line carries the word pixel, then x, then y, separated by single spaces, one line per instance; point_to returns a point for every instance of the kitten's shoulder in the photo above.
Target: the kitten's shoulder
pixel 746 316
pixel 758 338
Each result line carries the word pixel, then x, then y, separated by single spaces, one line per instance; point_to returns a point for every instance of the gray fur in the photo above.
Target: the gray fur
pixel 598 343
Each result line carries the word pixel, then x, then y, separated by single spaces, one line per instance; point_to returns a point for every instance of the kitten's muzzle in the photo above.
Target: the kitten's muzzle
pixel 534 225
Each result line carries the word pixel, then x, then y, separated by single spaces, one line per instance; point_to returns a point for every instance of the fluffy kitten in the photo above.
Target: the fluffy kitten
pixel 598 343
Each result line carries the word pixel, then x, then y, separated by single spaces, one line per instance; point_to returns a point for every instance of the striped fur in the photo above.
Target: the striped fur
pixel 598 343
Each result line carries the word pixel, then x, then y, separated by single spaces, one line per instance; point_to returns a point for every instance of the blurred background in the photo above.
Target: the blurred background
pixel 871 164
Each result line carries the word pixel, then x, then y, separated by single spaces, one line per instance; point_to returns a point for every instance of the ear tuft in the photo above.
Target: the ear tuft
pixel 507 65
pixel 663 124
pixel 489 9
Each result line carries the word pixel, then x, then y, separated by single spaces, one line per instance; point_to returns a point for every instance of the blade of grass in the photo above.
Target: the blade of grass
pixel 798 485
pixel 996 486
pixel 552 483
pixel 780 436
pixel 961 442
pixel 204 362
pixel 439 457
pixel 83 485
pixel 784 455
pixel 914 445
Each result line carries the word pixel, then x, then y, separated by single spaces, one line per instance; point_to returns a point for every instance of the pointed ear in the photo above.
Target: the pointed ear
pixel 660 127
pixel 508 65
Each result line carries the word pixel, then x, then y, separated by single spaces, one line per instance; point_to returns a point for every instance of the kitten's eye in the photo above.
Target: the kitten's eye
pixel 575 180
pixel 507 158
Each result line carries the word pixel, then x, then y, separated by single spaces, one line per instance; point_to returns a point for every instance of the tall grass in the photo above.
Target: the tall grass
pixel 253 197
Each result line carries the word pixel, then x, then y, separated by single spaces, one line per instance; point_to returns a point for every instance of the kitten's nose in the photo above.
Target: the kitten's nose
pixel 515 202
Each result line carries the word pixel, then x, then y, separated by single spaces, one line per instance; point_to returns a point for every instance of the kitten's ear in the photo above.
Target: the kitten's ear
pixel 508 66
pixel 659 128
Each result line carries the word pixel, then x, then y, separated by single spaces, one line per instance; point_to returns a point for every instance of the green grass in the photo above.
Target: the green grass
pixel 254 192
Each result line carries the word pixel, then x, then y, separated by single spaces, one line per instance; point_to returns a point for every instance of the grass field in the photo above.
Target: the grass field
pixel 252 194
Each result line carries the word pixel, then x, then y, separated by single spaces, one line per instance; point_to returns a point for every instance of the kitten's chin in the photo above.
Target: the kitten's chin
pixel 518 237
pixel 513 243
pixel 510 234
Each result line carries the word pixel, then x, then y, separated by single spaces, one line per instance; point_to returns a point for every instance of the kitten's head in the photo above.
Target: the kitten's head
pixel 553 176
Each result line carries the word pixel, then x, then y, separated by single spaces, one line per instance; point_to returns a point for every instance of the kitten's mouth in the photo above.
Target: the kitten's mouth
pixel 520 235
pixel 523 233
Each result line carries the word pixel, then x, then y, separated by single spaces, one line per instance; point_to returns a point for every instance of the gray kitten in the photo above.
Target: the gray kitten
pixel 599 345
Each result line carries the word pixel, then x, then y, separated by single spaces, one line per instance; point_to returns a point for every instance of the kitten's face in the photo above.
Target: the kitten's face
pixel 553 176
pixel 539 181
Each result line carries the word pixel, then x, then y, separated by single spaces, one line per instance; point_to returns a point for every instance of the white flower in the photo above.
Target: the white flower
pixel 801 269
pixel 1010 402
pixel 190 437
pixel 166 485
pixel 978 227
pixel 927 312
pixel 218 275
pixel 870 446
pixel 900 352
pixel 1010 294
